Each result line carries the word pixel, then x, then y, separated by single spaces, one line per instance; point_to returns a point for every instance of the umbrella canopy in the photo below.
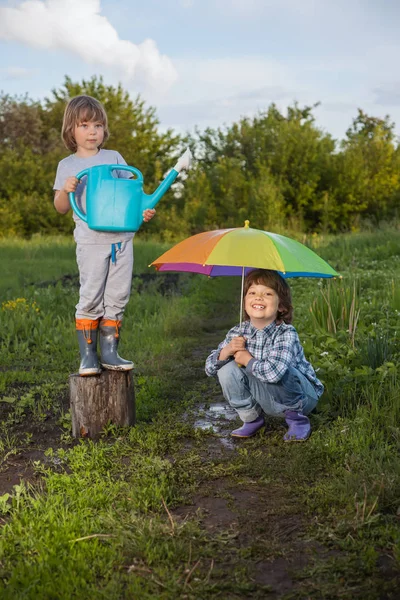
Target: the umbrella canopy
pixel 237 251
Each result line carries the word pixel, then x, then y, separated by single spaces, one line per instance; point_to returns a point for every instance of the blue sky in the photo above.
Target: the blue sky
pixel 209 62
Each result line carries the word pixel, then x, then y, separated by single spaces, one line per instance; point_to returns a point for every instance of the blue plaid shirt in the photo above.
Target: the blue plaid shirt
pixel 274 349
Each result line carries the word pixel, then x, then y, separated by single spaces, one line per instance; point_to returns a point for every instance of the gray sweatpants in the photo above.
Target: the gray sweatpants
pixel 105 286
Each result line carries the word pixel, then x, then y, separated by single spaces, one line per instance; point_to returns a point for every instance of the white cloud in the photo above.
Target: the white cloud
pixel 267 7
pixel 388 95
pixel 225 77
pixel 217 91
pixel 237 61
pixel 77 26
pixel 214 92
pixel 16 73
pixel 222 110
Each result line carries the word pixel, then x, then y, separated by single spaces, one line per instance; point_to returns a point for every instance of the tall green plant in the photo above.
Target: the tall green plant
pixel 395 295
pixel 337 308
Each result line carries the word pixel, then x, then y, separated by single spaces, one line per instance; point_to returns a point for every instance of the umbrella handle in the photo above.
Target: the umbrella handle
pixel 241 309
pixel 241 301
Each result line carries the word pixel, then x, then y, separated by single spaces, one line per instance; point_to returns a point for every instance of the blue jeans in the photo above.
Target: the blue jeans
pixel 250 396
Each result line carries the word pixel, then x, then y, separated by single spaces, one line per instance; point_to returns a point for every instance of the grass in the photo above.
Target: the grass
pixel 96 519
pixel 94 522
pixel 336 308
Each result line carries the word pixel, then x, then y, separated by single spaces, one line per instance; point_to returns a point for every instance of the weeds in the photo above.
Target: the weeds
pixel 99 519
pixel 337 308
pixel 377 350
pixel 395 298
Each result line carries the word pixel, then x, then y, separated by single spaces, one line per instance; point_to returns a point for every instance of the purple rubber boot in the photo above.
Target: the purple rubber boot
pixel 249 429
pixel 299 427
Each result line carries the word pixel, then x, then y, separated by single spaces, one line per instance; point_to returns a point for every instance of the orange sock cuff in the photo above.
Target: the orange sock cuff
pixel 84 324
pixel 110 323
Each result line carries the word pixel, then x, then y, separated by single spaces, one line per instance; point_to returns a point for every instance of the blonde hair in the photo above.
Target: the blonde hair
pixel 273 280
pixel 79 110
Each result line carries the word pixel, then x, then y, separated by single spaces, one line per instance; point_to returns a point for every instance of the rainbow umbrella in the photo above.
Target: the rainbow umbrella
pixel 239 250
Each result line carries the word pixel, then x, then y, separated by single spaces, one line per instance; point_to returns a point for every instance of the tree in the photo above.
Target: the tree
pixel 279 170
pixel 272 169
pixel 368 169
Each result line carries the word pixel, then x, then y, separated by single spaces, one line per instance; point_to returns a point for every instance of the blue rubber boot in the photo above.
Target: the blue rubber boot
pixel 249 429
pixel 299 427
pixel 87 338
pixel 109 339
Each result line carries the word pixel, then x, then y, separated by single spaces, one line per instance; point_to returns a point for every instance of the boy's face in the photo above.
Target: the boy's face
pixel 261 304
pixel 89 136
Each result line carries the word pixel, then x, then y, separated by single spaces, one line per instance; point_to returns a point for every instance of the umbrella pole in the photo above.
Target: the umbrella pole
pixel 241 308
pixel 241 301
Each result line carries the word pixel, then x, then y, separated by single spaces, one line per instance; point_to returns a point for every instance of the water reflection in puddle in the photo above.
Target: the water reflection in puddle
pixel 215 417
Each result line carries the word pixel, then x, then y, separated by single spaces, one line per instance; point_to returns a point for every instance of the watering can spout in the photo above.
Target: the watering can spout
pixel 184 161
pixel 150 200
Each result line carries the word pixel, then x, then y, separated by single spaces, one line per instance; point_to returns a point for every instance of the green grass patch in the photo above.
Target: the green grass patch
pixel 96 523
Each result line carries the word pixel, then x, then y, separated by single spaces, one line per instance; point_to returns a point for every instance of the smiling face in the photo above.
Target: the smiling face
pixel 89 136
pixel 261 304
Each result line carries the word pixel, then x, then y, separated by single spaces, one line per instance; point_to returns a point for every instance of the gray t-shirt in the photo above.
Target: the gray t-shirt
pixel 69 167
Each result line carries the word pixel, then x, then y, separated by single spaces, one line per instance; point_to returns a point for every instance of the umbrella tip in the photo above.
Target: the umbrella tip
pixel 246 224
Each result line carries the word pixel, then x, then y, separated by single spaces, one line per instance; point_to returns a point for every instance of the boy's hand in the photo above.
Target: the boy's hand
pixel 235 345
pixel 148 214
pixel 70 185
pixel 242 358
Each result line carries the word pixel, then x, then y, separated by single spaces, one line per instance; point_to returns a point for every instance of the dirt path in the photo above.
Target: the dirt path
pixel 28 442
pixel 265 538
pixel 264 542
pixel 261 527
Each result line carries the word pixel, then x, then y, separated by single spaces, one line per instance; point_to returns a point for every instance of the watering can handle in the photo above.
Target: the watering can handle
pixel 136 172
pixel 72 201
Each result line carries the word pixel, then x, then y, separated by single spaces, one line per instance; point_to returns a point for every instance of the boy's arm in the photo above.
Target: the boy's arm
pixel 61 198
pixel 213 364
pixel 61 202
pixel 223 354
pixel 279 359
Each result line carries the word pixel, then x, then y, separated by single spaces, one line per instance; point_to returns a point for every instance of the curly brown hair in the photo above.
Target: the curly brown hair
pixel 80 110
pixel 273 280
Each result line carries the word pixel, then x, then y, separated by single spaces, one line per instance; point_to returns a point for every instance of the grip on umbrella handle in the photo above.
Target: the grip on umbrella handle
pixel 240 366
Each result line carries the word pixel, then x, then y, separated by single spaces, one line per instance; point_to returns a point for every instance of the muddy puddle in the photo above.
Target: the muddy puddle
pixel 216 417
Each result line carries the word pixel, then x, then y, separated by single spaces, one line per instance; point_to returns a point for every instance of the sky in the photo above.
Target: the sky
pixel 207 63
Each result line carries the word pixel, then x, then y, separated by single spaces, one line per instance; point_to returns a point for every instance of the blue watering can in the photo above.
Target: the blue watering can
pixel 116 204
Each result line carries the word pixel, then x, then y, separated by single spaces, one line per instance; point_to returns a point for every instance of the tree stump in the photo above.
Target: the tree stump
pixel 99 400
